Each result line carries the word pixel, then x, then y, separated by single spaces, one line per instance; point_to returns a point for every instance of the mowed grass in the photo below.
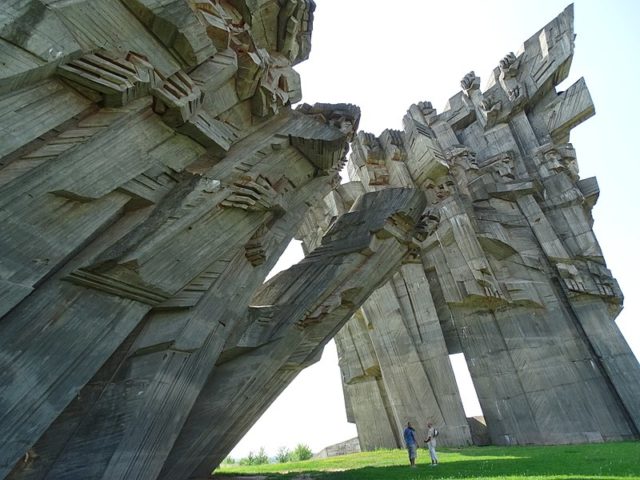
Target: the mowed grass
pixel 604 461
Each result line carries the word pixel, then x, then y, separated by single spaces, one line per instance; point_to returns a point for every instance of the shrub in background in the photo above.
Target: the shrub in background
pixel 283 455
pixel 302 452
pixel 259 458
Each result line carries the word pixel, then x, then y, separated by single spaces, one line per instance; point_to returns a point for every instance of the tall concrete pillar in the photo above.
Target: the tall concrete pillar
pixel 516 277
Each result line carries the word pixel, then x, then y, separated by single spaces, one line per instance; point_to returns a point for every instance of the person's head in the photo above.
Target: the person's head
pixel 429 424
pixel 409 425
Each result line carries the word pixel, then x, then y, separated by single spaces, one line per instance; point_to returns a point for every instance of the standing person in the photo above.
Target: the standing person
pixel 432 433
pixel 412 445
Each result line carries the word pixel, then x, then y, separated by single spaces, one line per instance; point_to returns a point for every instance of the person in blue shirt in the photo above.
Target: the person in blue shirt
pixel 411 443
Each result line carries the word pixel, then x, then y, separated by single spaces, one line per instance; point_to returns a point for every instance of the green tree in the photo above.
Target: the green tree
pixel 248 460
pixel 262 457
pixel 302 452
pixel 259 458
pixel 283 455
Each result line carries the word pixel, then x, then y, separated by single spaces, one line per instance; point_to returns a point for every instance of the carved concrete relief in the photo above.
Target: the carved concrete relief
pixel 153 173
pixel 157 169
pixel 509 255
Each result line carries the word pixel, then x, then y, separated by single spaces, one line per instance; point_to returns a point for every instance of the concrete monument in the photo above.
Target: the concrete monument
pixel 152 171
pixel 509 273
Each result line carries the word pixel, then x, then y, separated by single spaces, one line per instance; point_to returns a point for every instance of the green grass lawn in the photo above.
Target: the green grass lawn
pixel 603 461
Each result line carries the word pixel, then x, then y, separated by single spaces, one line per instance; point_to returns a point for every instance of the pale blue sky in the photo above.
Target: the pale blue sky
pixel 384 56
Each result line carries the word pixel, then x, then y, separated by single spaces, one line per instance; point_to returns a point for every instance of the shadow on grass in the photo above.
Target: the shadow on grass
pixel 532 466
pixel 424 472
pixel 609 461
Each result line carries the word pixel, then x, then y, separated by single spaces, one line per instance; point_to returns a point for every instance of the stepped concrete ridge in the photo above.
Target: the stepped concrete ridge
pixel 510 272
pixel 152 172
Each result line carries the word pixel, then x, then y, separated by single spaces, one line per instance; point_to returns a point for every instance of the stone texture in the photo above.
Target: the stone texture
pixel 152 171
pixel 343 448
pixel 509 271
pixel 291 318
pixel 153 175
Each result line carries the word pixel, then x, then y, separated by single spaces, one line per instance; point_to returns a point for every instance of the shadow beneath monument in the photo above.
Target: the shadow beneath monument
pixel 538 463
pixel 444 471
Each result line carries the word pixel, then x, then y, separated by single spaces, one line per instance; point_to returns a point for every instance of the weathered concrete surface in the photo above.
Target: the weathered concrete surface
pixel 343 448
pixel 515 277
pixel 152 172
pixel 292 317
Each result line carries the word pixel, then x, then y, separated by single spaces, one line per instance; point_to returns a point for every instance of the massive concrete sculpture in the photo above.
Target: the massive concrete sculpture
pixel 152 174
pixel 510 272
pixel 152 171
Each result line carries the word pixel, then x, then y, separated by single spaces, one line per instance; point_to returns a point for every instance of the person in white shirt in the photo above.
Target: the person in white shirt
pixel 432 433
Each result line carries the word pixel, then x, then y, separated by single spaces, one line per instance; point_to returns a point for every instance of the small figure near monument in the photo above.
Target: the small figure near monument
pixel 432 433
pixel 410 441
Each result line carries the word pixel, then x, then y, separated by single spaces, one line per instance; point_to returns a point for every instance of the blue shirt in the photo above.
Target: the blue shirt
pixel 409 436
